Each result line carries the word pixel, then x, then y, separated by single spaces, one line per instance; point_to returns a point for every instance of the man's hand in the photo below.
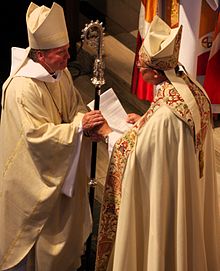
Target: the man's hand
pixel 99 133
pixel 132 118
pixel 91 120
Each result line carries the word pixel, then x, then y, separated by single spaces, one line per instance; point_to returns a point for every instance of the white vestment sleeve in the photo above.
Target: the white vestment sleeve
pixel 68 185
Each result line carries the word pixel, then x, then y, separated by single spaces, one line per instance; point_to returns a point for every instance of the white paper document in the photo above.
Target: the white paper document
pixel 112 111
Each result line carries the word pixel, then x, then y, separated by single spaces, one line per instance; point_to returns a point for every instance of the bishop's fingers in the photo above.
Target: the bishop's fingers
pixel 92 119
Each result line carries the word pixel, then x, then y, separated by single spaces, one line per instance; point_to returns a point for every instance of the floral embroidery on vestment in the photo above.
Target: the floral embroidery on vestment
pixel 166 95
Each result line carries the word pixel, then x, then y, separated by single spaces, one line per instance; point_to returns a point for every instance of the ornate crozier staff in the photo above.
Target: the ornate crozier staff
pixel 93 34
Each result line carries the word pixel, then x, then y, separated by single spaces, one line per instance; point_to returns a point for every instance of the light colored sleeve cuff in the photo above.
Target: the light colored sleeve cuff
pixel 112 138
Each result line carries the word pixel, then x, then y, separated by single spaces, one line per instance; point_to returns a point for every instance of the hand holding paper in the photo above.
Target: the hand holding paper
pixel 112 111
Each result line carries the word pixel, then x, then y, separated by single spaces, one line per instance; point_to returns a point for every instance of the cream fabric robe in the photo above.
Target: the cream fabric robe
pixel 165 216
pixel 36 153
pixel 164 203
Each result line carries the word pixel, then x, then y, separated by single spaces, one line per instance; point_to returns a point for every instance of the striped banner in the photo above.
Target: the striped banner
pixel 189 17
pixel 198 19
pixel 212 77
pixel 168 10
pixel 208 19
pixel 141 89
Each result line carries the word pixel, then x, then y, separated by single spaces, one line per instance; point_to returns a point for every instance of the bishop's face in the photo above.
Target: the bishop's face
pixel 149 74
pixel 55 59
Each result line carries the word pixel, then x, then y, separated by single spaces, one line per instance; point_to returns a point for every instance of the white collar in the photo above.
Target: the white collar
pixel 30 68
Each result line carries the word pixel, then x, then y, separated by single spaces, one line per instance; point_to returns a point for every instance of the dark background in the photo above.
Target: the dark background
pixel 14 33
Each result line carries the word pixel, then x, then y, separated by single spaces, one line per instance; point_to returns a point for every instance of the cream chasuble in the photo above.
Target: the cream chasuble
pixel 160 209
pixel 38 135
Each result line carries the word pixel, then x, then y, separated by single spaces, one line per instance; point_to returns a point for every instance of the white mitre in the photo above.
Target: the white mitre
pixel 160 48
pixel 46 27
